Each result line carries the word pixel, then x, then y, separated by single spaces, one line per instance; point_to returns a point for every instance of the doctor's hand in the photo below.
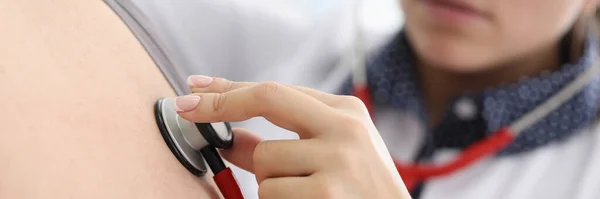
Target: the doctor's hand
pixel 339 154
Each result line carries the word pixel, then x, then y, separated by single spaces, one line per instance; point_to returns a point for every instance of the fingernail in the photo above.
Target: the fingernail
pixel 199 81
pixel 186 103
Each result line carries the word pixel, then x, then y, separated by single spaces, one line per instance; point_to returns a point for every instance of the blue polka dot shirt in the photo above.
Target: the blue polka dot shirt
pixel 392 78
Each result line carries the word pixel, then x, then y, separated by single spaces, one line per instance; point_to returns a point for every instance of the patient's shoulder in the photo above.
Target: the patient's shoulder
pixel 77 92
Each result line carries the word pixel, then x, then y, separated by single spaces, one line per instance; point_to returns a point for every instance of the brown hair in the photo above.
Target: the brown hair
pixel 596 21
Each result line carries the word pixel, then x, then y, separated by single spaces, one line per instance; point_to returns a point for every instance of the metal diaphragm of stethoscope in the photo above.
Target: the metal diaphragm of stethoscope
pixel 193 144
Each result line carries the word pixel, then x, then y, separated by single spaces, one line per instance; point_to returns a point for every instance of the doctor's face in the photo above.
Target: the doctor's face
pixel 474 35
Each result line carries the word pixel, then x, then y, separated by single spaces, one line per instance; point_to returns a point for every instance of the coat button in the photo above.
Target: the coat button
pixel 465 109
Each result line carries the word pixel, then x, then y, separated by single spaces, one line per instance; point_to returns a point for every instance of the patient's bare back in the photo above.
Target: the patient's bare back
pixel 76 98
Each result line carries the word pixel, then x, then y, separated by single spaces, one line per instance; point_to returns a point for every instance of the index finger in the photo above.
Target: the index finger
pixel 281 105
pixel 221 85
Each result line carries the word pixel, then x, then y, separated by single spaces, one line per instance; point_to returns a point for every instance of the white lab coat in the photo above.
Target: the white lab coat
pixel 563 170
pixel 298 42
pixel 304 42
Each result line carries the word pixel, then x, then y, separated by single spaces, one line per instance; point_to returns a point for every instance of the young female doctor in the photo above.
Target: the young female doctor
pixel 456 96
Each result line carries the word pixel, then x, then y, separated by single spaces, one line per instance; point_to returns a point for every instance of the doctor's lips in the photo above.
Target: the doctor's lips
pixel 455 11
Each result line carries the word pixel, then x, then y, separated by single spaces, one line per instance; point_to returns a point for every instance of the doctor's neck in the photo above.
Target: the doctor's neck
pixel 440 84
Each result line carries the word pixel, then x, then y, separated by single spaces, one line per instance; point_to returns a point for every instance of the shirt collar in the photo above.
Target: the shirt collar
pixel 392 78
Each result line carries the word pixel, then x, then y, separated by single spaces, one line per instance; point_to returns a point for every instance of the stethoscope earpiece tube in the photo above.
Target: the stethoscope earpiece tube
pixel 228 185
pixel 224 178
pixel 213 159
pixel 415 173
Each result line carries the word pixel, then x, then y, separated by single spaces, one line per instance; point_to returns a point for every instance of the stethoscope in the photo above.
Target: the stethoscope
pixel 414 174
pixel 193 144
pixel 196 143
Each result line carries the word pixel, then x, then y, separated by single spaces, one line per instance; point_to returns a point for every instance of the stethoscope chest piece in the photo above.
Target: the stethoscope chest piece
pixel 185 139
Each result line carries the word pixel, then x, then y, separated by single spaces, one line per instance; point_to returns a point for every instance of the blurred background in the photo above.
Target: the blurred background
pixel 301 42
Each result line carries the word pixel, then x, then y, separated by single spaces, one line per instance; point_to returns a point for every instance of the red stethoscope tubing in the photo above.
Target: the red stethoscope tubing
pixel 228 185
pixel 413 174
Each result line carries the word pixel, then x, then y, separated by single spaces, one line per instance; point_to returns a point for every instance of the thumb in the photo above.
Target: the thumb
pixel 242 152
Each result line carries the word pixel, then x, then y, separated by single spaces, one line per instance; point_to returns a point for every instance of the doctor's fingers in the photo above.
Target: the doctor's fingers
pixel 281 105
pixel 221 85
pixel 275 158
pixel 295 188
pixel 242 152
pixel 287 158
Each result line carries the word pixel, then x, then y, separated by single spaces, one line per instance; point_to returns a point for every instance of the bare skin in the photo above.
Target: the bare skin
pixel 77 108
pixel 500 42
